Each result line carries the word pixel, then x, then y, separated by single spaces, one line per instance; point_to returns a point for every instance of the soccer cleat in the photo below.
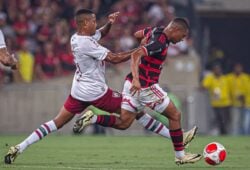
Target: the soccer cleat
pixel 189 136
pixel 83 121
pixel 188 158
pixel 12 154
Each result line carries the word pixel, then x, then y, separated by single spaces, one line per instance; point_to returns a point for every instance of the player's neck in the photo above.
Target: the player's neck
pixel 83 33
pixel 166 32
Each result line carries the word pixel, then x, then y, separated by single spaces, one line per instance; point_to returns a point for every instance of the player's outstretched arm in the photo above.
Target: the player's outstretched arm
pixel 106 28
pixel 135 61
pixel 116 58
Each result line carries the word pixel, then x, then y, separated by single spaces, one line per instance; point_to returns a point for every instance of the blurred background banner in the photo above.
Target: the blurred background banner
pixel 38 32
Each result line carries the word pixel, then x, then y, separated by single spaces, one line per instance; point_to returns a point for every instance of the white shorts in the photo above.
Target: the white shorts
pixel 153 97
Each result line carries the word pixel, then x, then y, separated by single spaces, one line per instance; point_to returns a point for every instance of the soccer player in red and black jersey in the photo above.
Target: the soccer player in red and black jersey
pixel 141 88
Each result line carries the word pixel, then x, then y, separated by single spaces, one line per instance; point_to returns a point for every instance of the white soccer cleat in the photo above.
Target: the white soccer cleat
pixel 12 154
pixel 83 121
pixel 189 136
pixel 188 158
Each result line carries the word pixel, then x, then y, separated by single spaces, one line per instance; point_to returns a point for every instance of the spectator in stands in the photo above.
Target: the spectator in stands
pixel 237 85
pixel 60 36
pixel 127 41
pixel 44 30
pixel 47 63
pixel 26 63
pixel 6 28
pixel 67 61
pixel 217 85
pixel 246 111
pixel 21 28
pixel 41 21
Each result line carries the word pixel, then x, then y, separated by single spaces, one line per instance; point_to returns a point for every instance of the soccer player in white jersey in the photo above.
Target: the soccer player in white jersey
pixel 5 58
pixel 89 86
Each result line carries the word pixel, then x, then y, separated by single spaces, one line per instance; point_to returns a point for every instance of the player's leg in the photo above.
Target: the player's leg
pixel 67 112
pixel 111 103
pixel 53 125
pixel 143 118
pixel 176 134
pixel 158 100
pixel 153 125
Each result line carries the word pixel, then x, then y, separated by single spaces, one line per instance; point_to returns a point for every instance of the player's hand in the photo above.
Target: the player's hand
pixel 136 87
pixel 143 41
pixel 112 17
pixel 7 59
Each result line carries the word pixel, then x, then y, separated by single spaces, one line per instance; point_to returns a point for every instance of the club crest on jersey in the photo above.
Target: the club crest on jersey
pixel 116 94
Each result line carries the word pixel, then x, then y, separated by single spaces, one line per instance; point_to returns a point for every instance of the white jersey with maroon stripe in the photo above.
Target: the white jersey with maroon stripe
pixel 2 42
pixel 89 82
pixel 153 97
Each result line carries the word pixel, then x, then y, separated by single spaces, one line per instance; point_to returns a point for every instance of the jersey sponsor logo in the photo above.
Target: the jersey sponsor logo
pixel 155 51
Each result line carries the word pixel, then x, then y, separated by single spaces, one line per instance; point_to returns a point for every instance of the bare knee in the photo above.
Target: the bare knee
pixel 176 116
pixel 172 113
pixel 126 119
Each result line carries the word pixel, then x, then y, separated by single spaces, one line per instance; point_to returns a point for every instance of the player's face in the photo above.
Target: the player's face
pixel 179 35
pixel 92 24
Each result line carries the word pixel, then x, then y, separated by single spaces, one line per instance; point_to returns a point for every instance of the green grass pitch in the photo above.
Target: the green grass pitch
pixel 119 153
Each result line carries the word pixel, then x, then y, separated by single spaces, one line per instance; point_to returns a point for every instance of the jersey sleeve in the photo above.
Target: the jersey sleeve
pixel 90 47
pixel 2 42
pixel 97 35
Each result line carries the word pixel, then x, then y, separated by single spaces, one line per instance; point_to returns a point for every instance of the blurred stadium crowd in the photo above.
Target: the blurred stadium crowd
pixel 38 32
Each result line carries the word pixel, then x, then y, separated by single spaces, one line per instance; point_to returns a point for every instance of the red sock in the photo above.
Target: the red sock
pixel 106 120
pixel 177 139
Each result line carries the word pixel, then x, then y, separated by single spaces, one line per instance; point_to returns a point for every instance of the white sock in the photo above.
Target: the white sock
pixel 94 119
pixel 153 125
pixel 38 134
pixel 179 154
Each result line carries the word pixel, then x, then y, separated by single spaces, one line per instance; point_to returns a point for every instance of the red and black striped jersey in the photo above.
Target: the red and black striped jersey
pixel 156 52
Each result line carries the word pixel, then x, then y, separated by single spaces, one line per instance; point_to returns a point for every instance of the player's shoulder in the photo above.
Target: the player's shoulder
pixel 159 34
pixel 75 38
pixel 157 30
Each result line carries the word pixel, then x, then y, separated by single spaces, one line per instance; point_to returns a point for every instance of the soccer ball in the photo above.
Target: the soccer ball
pixel 214 153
